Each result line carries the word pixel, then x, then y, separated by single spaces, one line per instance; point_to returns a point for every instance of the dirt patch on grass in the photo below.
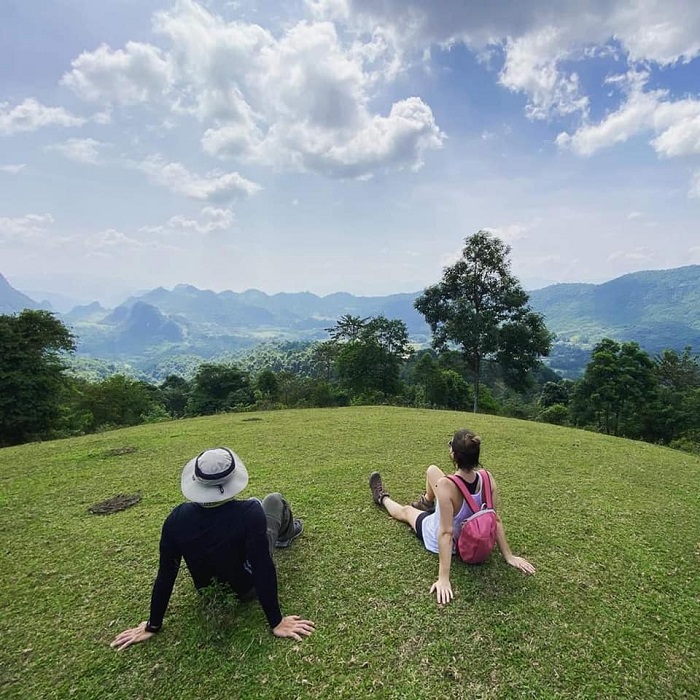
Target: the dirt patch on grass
pixel 114 504
pixel 250 420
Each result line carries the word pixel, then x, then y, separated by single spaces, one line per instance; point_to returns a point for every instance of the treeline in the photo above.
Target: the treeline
pixel 626 392
pixel 623 392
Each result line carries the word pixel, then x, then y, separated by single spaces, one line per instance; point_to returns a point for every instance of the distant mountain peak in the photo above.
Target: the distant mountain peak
pixel 12 300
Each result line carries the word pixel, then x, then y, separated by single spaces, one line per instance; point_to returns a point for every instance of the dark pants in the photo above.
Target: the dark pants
pixel 280 526
pixel 280 523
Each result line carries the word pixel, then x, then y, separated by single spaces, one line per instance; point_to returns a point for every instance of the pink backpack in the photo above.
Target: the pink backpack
pixel 477 534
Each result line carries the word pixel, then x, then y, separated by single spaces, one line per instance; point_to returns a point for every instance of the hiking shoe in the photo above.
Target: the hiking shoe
pixel 377 488
pixel 298 529
pixel 424 504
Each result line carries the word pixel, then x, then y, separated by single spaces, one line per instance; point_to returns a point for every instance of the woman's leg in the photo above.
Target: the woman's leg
pixel 432 476
pixel 404 514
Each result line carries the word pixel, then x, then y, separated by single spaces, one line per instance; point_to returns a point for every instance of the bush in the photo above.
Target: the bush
pixel 156 414
pixel 688 442
pixel 514 405
pixel 558 414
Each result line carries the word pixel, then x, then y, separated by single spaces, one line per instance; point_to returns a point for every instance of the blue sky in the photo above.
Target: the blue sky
pixel 343 145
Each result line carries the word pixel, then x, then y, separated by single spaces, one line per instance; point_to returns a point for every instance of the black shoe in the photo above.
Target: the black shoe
pixel 379 493
pixel 298 529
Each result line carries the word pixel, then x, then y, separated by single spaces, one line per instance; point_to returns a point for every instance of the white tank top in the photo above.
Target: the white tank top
pixel 431 524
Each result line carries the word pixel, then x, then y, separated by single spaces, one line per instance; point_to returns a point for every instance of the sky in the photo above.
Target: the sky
pixel 343 145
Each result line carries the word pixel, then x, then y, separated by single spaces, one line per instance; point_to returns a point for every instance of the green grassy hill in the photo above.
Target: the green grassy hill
pixel 612 526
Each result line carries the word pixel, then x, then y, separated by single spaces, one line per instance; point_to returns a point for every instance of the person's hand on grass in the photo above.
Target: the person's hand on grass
pixel 522 564
pixel 443 590
pixel 134 635
pixel 293 626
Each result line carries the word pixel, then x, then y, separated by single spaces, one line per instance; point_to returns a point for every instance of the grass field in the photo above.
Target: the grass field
pixel 612 526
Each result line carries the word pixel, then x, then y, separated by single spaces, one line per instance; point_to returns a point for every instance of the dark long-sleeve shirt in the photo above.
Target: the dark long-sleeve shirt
pixel 226 543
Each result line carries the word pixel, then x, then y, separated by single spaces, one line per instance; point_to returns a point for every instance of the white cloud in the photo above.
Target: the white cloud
pixel 111 238
pixel 675 123
pixel 695 185
pixel 24 226
pixel 31 115
pixel 79 150
pixel 511 232
pixel 396 141
pixel 211 219
pixel 298 101
pixel 13 169
pixel 636 256
pixel 115 247
pixel 213 59
pixel 538 37
pixel 329 9
pixel 683 137
pixel 662 32
pixel 136 74
pixel 212 187
pixel 531 67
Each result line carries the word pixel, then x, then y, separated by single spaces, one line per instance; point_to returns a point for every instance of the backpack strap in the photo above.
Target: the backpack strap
pixel 487 495
pixel 465 493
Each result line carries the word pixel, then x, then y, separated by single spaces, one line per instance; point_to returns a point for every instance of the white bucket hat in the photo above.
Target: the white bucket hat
pixel 213 476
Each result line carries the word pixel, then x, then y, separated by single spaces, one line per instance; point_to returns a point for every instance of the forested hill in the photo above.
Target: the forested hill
pixel 657 308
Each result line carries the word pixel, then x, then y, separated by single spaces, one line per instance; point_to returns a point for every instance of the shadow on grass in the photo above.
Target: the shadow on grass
pixel 220 623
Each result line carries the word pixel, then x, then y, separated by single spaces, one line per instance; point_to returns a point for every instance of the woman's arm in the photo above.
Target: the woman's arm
pixel 518 562
pixel 442 586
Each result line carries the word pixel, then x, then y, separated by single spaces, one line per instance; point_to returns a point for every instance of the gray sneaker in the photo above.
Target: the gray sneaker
pixel 379 493
pixel 298 529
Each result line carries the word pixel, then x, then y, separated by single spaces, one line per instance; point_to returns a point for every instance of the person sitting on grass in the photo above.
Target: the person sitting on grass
pixel 437 515
pixel 222 539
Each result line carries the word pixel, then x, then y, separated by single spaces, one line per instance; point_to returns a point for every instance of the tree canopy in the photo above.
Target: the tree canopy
pixel 618 390
pixel 368 353
pixel 32 345
pixel 481 307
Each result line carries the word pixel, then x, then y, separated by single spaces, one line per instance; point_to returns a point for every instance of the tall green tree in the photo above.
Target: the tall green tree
pixel 217 388
pixel 324 356
pixel 348 328
pixel 174 392
pixel 481 307
pixel 369 353
pixel 32 349
pixel 678 372
pixel 440 387
pixel 267 384
pixel 554 393
pixel 116 401
pixel 678 375
pixel 618 392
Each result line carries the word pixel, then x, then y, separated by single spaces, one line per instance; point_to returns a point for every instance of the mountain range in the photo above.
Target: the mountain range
pixel 657 308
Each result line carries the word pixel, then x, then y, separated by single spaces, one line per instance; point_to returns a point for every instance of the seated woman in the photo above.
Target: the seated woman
pixel 436 517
